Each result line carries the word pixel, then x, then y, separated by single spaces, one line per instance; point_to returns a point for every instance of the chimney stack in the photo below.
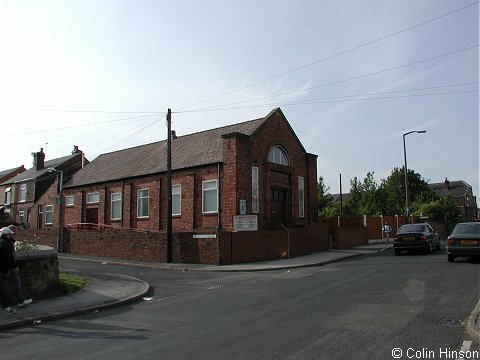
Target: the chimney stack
pixel 38 160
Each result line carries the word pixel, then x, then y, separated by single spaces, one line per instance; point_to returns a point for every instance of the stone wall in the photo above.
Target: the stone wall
pixel 39 273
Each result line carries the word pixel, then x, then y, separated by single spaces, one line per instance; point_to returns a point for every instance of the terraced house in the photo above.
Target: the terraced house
pixel 240 193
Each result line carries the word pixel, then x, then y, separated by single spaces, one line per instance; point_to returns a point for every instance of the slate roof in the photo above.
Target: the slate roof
pixel 10 171
pixel 201 148
pixel 456 188
pixel 31 174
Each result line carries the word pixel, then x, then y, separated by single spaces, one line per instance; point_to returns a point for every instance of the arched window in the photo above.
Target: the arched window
pixel 278 155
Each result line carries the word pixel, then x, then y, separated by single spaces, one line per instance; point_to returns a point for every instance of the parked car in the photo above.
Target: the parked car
pixel 464 241
pixel 416 237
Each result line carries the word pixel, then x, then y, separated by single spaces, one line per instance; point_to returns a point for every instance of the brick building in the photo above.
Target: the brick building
pixel 240 193
pixel 23 192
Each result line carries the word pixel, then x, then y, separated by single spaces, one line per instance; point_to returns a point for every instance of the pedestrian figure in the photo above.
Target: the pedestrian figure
pixel 387 229
pixel 9 271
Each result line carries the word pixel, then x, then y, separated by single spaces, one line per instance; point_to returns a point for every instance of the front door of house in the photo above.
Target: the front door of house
pixel 278 206
pixel 92 216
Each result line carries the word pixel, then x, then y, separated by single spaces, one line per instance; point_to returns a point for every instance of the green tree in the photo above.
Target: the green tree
pixel 442 209
pixel 323 195
pixel 393 191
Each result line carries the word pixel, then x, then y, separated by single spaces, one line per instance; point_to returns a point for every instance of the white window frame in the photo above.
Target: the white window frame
pixel 301 196
pixel 22 195
pixel 140 200
pixel 69 200
pixel 21 216
pixel 177 198
pixel 278 155
pixel 255 190
pixel 205 191
pixel 8 196
pixel 116 201
pixel 48 214
pixel 93 198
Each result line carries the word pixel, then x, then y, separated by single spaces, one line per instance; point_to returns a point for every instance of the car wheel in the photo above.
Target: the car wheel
pixel 430 248
pixel 451 258
pixel 398 252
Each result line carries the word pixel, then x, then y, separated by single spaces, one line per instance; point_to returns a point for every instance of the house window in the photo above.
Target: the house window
pixel 278 155
pixel 93 198
pixel 177 200
pixel 21 216
pixel 209 196
pixel 8 195
pixel 23 193
pixel 301 197
pixel 254 189
pixel 69 200
pixel 142 203
pixel 116 209
pixel 48 214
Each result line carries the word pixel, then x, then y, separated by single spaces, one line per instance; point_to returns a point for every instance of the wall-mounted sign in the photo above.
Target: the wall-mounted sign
pixel 205 236
pixel 242 207
pixel 245 223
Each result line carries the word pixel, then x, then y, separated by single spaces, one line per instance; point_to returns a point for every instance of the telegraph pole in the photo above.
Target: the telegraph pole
pixel 169 187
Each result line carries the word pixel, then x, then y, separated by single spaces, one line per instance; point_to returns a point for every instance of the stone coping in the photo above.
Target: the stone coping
pixel 40 252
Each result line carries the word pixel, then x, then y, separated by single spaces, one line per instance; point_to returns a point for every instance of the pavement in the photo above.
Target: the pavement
pixel 107 290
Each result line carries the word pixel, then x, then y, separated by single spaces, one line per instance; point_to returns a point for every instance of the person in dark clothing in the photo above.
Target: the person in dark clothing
pixel 9 271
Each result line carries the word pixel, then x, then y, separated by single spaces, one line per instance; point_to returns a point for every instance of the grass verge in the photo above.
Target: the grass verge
pixel 70 283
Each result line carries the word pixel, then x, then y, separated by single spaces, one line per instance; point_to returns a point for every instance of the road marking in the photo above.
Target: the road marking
pixel 465 348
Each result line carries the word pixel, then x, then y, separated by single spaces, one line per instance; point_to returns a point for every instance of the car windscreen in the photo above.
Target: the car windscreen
pixel 467 229
pixel 411 228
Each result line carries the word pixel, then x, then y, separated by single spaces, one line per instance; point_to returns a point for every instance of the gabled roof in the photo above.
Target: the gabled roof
pixel 457 188
pixel 12 171
pixel 32 174
pixel 197 149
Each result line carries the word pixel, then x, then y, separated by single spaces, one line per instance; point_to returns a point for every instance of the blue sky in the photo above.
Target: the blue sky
pixel 101 74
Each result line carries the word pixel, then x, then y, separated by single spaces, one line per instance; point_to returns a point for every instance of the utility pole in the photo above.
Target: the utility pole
pixel 169 187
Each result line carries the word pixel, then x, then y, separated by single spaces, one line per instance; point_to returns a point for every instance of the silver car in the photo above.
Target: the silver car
pixel 464 241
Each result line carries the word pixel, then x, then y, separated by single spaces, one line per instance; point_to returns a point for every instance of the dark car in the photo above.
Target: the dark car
pixel 416 237
pixel 464 241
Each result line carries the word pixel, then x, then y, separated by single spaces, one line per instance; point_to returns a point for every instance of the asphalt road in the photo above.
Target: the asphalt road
pixel 354 309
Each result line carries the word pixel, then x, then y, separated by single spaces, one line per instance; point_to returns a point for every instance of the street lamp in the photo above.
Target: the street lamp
pixel 59 203
pixel 405 167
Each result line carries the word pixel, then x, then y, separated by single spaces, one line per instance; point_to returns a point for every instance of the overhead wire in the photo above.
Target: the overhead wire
pixel 355 77
pixel 332 56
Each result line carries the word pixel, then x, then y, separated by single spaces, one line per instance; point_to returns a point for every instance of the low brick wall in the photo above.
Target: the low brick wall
pixel 39 273
pixel 346 237
pixel 253 246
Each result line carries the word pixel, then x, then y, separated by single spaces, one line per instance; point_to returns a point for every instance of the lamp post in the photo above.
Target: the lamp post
pixel 407 210
pixel 59 203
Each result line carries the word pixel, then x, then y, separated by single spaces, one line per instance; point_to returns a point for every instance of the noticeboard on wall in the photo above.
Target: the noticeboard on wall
pixel 245 223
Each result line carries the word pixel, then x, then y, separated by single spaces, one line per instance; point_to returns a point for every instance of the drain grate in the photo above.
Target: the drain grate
pixel 213 287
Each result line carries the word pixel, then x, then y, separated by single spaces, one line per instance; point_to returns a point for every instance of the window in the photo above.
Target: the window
pixel 209 196
pixel 69 200
pixel 177 200
pixel 254 189
pixel 23 193
pixel 48 214
pixel 93 198
pixel 116 210
pixel 21 216
pixel 278 155
pixel 142 203
pixel 8 195
pixel 301 197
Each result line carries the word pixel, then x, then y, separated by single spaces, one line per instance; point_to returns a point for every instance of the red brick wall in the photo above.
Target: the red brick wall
pixel 252 246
